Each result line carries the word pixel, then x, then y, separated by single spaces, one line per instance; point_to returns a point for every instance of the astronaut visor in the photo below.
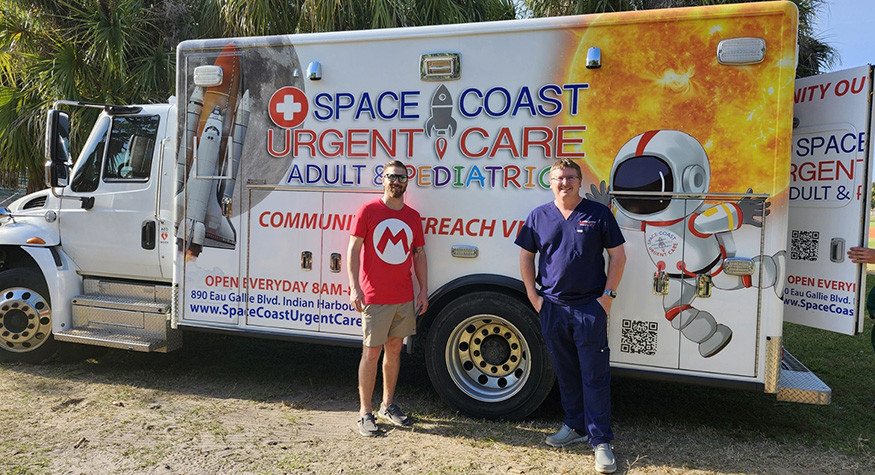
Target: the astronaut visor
pixel 643 173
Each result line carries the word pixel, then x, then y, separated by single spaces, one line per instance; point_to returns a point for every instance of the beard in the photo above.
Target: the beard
pixel 397 191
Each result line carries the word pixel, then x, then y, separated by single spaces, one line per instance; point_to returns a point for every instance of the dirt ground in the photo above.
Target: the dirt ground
pixel 239 406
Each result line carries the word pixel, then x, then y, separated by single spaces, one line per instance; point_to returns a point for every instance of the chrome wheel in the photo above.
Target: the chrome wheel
pixel 488 358
pixel 25 320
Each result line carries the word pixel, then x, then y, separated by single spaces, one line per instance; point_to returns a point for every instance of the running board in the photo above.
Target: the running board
pixel 125 315
pixel 102 337
pixel 799 384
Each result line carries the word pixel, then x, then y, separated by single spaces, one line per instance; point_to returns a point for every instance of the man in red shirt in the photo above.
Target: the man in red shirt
pixel 386 239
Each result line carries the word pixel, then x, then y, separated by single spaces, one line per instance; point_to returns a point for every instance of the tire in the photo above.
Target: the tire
pixel 25 318
pixel 486 358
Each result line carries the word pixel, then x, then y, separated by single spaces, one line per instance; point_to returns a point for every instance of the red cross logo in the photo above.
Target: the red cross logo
pixel 288 107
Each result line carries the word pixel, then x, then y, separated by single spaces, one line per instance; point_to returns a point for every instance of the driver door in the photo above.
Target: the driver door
pixel 118 235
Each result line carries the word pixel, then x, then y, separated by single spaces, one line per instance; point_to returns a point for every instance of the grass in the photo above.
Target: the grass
pixel 845 363
pixel 660 426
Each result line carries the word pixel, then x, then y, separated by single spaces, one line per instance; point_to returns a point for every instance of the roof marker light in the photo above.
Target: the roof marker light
pixel 741 51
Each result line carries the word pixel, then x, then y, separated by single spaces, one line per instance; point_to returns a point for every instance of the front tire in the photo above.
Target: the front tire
pixel 486 357
pixel 25 318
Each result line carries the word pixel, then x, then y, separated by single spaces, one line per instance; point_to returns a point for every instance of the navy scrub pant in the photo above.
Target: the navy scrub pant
pixel 577 339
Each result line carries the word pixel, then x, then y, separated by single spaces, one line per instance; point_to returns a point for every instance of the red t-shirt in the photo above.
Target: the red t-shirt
pixel 387 251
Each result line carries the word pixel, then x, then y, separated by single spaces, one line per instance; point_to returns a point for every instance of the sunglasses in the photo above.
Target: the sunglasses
pixel 398 178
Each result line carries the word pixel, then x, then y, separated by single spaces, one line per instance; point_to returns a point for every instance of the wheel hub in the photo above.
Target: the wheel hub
pixel 494 349
pixel 25 320
pixel 15 321
pixel 487 358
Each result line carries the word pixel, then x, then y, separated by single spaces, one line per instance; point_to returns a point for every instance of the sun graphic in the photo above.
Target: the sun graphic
pixel 660 71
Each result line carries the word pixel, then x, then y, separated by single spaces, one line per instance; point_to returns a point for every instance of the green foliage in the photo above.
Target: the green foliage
pixel 122 51
pixel 106 51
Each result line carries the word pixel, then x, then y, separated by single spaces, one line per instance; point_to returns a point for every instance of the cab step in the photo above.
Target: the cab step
pixel 799 384
pixel 126 315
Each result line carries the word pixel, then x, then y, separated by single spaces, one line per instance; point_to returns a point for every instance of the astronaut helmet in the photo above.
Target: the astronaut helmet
pixel 667 161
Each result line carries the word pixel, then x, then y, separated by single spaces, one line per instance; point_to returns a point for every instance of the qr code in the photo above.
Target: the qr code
pixel 804 245
pixel 638 337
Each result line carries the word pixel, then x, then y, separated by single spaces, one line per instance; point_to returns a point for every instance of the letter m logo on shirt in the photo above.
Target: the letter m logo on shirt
pixel 392 240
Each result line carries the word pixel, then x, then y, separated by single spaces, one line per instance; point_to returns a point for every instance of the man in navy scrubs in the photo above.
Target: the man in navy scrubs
pixel 575 296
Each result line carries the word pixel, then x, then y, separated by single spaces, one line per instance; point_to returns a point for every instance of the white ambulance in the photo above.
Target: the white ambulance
pixel 228 209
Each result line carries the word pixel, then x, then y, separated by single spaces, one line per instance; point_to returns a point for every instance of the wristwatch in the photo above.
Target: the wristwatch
pixel 611 293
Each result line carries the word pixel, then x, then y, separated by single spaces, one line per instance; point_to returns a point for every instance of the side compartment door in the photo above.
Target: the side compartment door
pixel 283 270
pixel 210 248
pixel 338 316
pixel 680 308
pixel 638 332
pixel 296 267
pixel 829 200
pixel 724 276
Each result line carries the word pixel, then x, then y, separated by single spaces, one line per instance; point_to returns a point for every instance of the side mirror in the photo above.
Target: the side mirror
pixel 57 148
pixel 57 174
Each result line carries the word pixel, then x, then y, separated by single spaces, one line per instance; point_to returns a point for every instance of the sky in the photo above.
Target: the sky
pixel 849 27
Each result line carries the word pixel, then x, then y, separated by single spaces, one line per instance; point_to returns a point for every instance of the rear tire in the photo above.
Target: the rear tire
pixel 486 357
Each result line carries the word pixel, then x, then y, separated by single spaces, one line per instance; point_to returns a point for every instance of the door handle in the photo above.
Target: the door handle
pixel 147 235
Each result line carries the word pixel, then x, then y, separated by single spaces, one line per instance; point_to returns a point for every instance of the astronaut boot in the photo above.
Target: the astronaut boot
pixel 700 327
pixel 716 342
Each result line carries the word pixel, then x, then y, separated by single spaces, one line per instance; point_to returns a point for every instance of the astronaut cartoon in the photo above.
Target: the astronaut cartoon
pixel 684 237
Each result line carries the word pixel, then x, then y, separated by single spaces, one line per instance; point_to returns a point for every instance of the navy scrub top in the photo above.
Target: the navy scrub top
pixel 571 265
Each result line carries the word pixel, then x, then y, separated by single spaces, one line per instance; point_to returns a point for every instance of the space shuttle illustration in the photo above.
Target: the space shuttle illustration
pixel 207 164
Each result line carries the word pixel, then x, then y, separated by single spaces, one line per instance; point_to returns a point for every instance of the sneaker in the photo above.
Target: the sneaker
pixel 604 459
pixel 394 415
pixel 565 436
pixel 368 426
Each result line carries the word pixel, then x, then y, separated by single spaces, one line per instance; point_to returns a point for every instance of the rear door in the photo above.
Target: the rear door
pixel 830 192
pixel 707 277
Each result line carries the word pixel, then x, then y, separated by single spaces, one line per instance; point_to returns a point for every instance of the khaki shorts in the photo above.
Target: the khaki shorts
pixel 381 321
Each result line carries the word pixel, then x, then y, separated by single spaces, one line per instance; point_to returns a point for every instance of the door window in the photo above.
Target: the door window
pixel 125 156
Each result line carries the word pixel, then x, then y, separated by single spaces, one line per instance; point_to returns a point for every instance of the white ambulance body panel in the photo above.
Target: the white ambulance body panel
pixel 328 110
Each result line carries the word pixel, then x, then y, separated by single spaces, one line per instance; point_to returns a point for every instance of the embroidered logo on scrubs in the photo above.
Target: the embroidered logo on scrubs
pixel 584 224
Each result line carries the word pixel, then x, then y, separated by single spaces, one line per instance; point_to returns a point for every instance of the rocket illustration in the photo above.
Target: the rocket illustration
pixel 238 134
pixel 192 116
pixel 217 118
pixel 193 230
pixel 441 121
